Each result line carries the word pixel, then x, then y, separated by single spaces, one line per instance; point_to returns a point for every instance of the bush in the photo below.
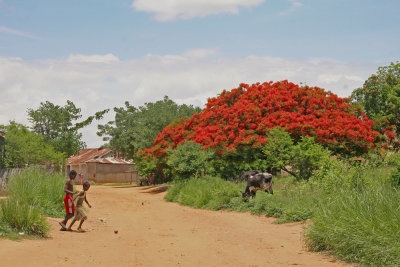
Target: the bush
pixel 232 163
pixel 188 160
pixel 278 150
pixel 307 158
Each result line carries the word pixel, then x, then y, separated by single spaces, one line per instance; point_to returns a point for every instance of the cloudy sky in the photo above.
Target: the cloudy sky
pixel 100 54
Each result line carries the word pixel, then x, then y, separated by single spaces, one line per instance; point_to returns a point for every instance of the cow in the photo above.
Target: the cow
pixel 257 181
pixel 247 174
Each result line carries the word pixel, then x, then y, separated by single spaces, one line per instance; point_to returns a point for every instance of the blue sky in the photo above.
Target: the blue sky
pixel 101 53
pixel 343 30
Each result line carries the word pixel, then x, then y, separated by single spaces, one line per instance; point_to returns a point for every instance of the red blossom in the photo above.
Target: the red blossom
pixel 245 114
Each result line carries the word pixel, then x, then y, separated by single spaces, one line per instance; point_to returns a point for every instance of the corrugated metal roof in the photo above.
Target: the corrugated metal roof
pixel 88 154
pixel 110 161
pixel 97 155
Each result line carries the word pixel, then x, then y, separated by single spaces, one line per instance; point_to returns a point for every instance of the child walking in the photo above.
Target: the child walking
pixel 80 214
pixel 68 200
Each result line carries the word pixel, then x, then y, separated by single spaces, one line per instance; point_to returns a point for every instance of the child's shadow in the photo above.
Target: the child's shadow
pixel 80 232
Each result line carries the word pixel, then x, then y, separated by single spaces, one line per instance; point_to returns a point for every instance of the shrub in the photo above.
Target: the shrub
pixel 189 159
pixel 278 149
pixel 307 157
pixel 232 163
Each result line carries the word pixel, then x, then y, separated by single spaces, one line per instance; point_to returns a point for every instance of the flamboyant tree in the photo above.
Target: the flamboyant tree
pixel 244 116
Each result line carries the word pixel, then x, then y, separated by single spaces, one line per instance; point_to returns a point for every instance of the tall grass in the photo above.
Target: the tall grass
pixel 355 211
pixel 359 226
pixel 288 203
pixel 40 189
pixel 23 217
pixel 31 195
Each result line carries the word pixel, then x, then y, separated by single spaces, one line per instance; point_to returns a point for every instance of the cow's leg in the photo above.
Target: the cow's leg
pixel 268 188
pixel 246 194
pixel 252 191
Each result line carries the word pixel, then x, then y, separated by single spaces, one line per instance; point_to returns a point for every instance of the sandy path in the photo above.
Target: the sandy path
pixel 153 232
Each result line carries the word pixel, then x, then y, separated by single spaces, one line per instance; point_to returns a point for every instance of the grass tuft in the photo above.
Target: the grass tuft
pixel 32 194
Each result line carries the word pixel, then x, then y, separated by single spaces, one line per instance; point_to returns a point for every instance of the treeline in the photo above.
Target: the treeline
pixel 234 129
pixel 53 134
pixel 52 137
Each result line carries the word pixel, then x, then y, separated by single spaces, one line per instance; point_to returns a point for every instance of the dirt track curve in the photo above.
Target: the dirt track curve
pixel 152 232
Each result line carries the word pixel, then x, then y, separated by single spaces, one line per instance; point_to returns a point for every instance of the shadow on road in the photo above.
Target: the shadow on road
pixel 125 186
pixel 156 189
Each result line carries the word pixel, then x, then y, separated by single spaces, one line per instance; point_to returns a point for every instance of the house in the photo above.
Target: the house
pixel 102 165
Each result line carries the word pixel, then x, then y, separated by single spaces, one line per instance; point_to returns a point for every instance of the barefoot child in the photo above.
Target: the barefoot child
pixel 80 214
pixel 68 200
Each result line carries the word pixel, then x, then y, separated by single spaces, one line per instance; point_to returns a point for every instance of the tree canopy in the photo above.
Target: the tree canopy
pixel 23 147
pixel 243 116
pixel 380 98
pixel 135 128
pixel 59 125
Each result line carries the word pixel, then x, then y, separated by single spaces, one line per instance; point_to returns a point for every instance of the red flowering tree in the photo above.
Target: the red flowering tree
pixel 242 117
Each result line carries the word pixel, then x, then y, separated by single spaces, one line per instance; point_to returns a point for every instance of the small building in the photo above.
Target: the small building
pixel 102 165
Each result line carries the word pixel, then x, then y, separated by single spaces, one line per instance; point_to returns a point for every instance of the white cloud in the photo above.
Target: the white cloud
pixel 78 58
pixel 187 9
pixel 7 30
pixel 294 5
pixel 96 82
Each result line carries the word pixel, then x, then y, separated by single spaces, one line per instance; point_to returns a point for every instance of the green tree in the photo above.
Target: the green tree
pixel 279 149
pixel 187 160
pixel 59 125
pixel 300 160
pixel 136 128
pixel 23 148
pixel 307 157
pixel 380 97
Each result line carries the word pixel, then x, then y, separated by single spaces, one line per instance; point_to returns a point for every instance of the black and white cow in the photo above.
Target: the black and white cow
pixel 256 181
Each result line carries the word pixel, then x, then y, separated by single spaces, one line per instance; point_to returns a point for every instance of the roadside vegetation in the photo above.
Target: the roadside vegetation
pixel 339 157
pixel 353 209
pixel 32 195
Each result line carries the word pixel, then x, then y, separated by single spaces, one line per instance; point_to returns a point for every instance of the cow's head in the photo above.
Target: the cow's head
pixel 245 195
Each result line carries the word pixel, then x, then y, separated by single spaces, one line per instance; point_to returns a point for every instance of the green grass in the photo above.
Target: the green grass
pixel 355 212
pixel 288 203
pixel 42 190
pixel 359 226
pixel 32 194
pixel 24 218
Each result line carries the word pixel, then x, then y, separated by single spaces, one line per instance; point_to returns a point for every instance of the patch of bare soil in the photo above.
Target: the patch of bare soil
pixel 152 232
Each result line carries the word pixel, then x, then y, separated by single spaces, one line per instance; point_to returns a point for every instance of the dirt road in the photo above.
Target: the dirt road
pixel 152 232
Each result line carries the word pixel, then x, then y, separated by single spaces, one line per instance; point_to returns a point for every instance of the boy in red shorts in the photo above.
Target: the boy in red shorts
pixel 68 200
